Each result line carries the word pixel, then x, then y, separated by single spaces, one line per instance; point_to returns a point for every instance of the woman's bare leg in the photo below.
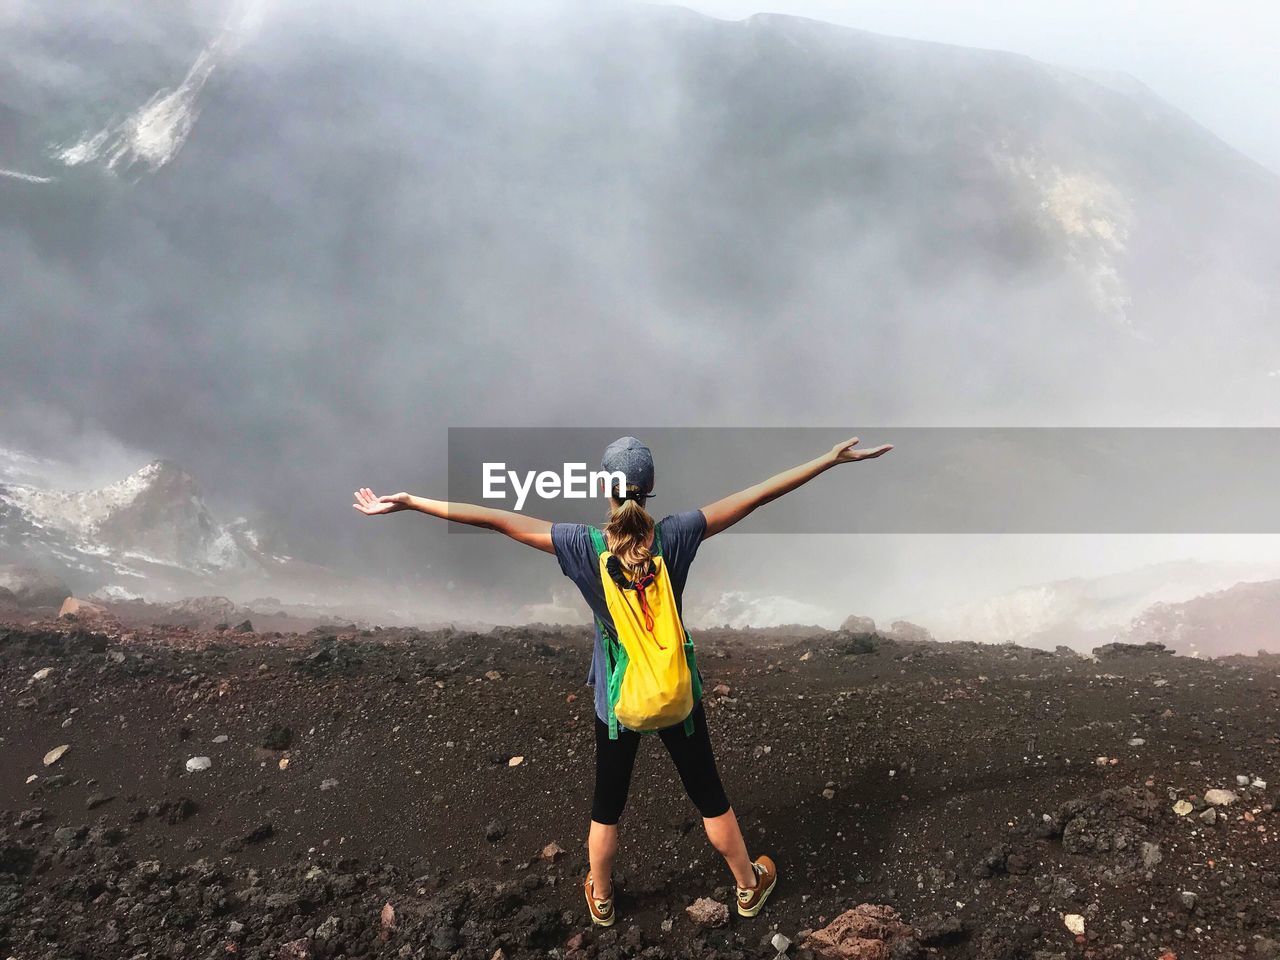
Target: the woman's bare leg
pixel 602 847
pixel 726 837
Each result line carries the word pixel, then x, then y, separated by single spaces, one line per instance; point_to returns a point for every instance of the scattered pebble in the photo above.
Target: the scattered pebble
pixel 56 754
pixel 196 764
pixel 1220 798
pixel 515 761
pixel 1074 922
pixel 1151 855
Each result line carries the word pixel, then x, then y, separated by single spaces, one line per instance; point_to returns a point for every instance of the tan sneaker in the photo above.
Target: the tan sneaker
pixel 602 914
pixel 751 902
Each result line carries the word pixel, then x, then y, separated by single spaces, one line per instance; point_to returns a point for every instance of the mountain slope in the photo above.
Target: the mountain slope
pixel 384 220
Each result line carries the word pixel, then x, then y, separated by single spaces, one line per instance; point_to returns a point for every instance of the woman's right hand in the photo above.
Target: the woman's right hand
pixel 372 506
pixel 844 451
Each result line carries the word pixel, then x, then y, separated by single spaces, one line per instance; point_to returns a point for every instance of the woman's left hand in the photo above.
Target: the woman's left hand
pixel 373 506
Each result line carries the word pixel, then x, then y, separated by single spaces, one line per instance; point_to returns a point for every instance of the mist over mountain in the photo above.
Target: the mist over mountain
pixel 287 245
pixel 152 536
pixel 148 532
pixel 1240 619
pixel 1137 606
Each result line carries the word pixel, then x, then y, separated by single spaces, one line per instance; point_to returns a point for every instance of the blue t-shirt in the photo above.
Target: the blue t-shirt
pixel 681 535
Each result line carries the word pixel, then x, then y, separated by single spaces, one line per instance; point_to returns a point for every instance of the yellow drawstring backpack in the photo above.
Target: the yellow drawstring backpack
pixel 652 671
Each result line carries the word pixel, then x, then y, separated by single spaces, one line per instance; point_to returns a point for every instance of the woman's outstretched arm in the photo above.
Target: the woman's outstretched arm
pixel 536 533
pixel 723 514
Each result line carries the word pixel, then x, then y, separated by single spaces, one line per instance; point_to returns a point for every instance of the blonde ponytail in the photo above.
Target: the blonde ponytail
pixel 627 533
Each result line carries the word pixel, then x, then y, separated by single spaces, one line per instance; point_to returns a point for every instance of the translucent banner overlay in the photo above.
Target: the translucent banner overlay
pixel 935 480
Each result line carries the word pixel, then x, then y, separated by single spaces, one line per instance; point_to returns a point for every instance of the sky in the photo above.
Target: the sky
pixel 1216 61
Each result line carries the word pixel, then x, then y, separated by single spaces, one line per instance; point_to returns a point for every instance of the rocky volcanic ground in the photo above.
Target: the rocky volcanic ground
pixel 425 795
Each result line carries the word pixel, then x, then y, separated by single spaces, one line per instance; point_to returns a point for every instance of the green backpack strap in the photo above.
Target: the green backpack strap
pixel 597 541
pixel 605 640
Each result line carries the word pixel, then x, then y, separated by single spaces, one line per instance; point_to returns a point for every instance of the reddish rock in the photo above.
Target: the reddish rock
pixel 295 950
pixel 81 609
pixel 552 852
pixel 867 932
pixel 706 912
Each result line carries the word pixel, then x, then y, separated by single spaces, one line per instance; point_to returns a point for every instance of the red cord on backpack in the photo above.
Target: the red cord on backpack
pixel 640 585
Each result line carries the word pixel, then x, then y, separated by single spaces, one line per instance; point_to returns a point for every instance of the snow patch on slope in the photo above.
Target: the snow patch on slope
pixel 155 516
pixel 78 512
pixel 154 133
pixel 25 177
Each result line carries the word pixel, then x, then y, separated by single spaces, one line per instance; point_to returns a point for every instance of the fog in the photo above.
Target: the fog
pixel 289 244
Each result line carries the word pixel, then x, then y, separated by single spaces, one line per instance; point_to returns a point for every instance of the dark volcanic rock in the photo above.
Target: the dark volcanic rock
pixel 1117 649
pixel 277 738
pixel 857 626
pixel 17 860
pixel 942 931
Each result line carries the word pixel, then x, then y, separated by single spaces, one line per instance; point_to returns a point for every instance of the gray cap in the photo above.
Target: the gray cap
pixel 634 460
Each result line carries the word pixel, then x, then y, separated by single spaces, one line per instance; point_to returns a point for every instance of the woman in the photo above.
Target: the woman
pixel 633 537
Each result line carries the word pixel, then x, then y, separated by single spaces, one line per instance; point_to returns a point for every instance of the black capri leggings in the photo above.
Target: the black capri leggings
pixel 692 756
